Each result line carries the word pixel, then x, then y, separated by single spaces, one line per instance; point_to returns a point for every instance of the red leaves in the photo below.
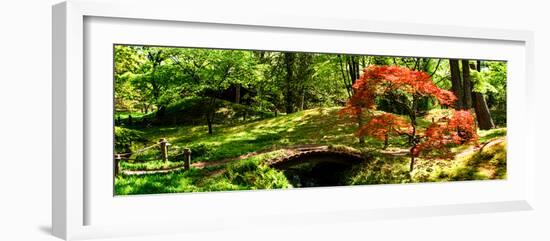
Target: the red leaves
pixel 384 125
pixel 417 83
pixel 392 81
pixel 381 80
pixel 457 130
pixel 463 124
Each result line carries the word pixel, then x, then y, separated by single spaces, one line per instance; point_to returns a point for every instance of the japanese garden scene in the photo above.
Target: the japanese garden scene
pixel 201 120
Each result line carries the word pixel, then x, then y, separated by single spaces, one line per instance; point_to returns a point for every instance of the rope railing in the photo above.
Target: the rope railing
pixel 164 154
pixel 138 151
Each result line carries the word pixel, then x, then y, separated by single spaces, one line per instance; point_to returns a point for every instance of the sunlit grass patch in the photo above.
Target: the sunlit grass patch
pixel 380 169
pixel 486 135
pixel 247 174
pixel 489 163
pixel 149 165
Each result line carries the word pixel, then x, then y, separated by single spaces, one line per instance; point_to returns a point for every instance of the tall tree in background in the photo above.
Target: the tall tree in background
pixel 350 70
pixel 270 95
pixel 349 66
pixel 152 81
pixel 484 119
pixel 466 84
pixel 155 56
pixel 213 71
pixel 353 68
pixel 298 73
pixel 456 82
pixel 467 98
pixel 128 63
pixel 304 73
pixel 289 58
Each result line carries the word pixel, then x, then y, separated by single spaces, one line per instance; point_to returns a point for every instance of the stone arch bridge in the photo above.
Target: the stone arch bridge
pixel 315 155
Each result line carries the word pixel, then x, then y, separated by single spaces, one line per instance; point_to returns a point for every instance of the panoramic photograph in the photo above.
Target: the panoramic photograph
pixel 203 120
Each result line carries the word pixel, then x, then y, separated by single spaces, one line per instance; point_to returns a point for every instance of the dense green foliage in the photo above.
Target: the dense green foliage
pixel 149 79
pixel 125 138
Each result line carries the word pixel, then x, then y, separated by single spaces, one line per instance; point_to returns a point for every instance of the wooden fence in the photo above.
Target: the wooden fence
pixel 163 145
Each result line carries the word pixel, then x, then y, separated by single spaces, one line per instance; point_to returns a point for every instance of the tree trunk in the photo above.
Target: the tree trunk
pixel 413 138
pixel 360 124
pixel 386 141
pixel 303 98
pixel 411 151
pixel 347 84
pixel 484 120
pixel 210 112
pixel 209 122
pixel 483 116
pixel 161 110
pixel 467 84
pixel 289 62
pixel 238 94
pixel 411 166
pixel 456 83
pixel 155 59
pixel 353 70
pixel 353 65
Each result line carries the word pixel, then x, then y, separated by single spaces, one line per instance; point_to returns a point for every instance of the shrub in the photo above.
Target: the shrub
pixel 125 138
pixel 251 173
pixel 200 150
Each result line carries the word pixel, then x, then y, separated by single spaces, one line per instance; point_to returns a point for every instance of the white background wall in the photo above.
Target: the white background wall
pixel 25 119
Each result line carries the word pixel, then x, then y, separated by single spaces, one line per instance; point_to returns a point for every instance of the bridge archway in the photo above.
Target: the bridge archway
pixel 320 156
pixel 317 168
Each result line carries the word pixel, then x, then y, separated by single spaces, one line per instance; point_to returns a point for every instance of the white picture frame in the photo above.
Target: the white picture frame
pixel 75 199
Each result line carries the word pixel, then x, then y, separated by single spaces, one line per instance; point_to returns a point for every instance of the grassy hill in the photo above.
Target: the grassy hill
pixel 314 126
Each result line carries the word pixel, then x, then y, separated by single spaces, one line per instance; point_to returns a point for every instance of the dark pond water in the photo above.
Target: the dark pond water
pixel 320 174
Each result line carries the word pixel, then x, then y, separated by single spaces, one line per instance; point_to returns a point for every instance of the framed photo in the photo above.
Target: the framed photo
pixel 172 120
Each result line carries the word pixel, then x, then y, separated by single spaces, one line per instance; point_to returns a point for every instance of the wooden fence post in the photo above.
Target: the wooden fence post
pixel 117 164
pixel 164 149
pixel 186 158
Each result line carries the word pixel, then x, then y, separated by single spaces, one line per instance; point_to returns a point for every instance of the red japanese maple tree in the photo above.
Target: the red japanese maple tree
pixel 406 88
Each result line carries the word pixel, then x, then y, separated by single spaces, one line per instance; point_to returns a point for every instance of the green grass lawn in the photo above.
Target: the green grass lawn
pixel 246 174
pixel 149 165
pixel 124 115
pixel 315 126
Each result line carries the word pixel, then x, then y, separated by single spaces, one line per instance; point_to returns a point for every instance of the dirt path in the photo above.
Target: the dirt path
pixel 404 152
pixel 396 152
pixel 473 149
